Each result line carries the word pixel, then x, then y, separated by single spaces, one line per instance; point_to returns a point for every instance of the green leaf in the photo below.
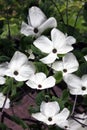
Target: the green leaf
pixel 33 109
pixel 58 76
pixel 19 122
pixel 40 97
pixel 36 50
pixel 82 69
pixel 54 128
pixel 4 58
pixel 4 127
pixel 63 99
pixel 40 67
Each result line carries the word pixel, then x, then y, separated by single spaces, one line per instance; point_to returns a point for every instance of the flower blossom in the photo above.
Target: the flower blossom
pixel 2 100
pixel 75 125
pixel 69 64
pixel 50 114
pixel 76 85
pixel 19 67
pixel 3 68
pixel 40 81
pixel 37 22
pixel 60 44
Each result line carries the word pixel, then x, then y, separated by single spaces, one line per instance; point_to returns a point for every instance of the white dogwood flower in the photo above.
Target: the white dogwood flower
pixel 19 67
pixel 85 57
pixel 40 81
pixel 60 44
pixel 75 125
pixel 50 113
pixel 76 85
pixel 69 64
pixel 2 100
pixel 3 68
pixel 37 22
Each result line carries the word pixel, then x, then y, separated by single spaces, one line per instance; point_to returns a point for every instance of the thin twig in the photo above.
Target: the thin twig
pixel 84 125
pixel 74 105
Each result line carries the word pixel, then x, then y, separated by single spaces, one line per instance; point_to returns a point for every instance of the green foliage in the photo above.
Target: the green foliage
pixel 4 127
pixel 40 97
pixel 19 122
pixel 63 99
pixel 71 16
pixel 40 67
pixel 58 76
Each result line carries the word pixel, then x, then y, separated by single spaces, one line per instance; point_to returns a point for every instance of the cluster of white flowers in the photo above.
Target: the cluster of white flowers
pixel 21 69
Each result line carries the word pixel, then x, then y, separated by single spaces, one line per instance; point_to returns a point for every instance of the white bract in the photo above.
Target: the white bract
pixel 2 100
pixel 37 22
pixel 85 57
pixel 19 67
pixel 69 64
pixel 76 85
pixel 74 125
pixel 3 68
pixel 40 81
pixel 31 55
pixel 60 44
pixel 50 114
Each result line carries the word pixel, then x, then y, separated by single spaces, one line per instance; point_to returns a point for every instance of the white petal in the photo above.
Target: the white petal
pixel 49 82
pixel 64 124
pixel 85 57
pixel 36 80
pixel 3 68
pixel 2 80
pixel 26 29
pixel 39 116
pixel 37 17
pixel 49 109
pixel 2 100
pixel 49 59
pixel 70 40
pixel 31 84
pixel 27 69
pixel 62 116
pixel 63 49
pixel 84 80
pixel 49 23
pixel 57 37
pixel 43 118
pixel 18 60
pixel 70 63
pixel 7 105
pixel 44 44
pixel 74 125
pixel 25 72
pixel 73 81
pixel 57 66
